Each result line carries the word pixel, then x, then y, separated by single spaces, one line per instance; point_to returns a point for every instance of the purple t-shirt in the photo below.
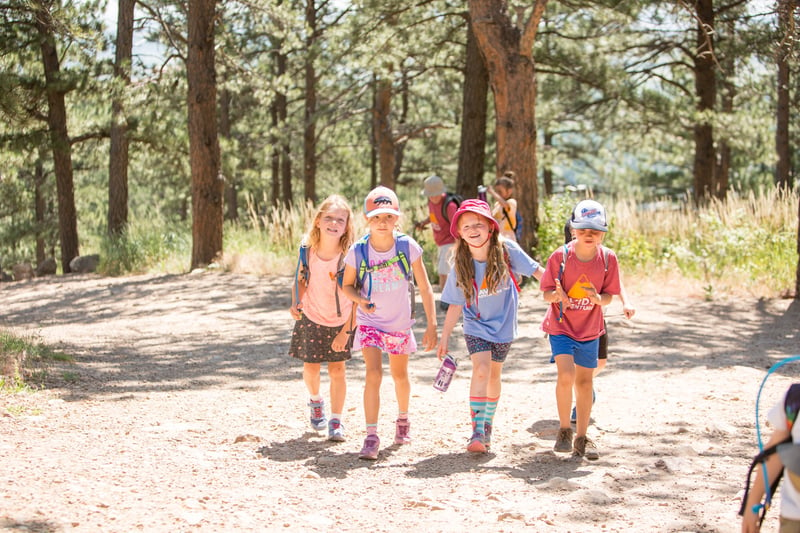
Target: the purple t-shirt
pixel 389 289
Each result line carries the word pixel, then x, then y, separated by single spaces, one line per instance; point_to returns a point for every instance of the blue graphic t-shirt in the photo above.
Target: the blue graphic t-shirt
pixel 498 311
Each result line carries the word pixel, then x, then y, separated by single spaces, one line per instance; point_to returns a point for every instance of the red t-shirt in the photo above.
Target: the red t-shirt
pixel 440 224
pixel 582 320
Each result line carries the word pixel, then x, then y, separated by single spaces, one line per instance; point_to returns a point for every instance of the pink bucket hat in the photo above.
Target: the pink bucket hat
pixel 479 207
pixel 381 200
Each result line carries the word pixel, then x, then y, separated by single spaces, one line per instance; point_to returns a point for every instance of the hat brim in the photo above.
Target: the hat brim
pixel 587 225
pixel 381 211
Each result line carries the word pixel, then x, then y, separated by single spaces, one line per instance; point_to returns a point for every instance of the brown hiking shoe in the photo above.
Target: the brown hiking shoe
pixel 585 447
pixel 564 440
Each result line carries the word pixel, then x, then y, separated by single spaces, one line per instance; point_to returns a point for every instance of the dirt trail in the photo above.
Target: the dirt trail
pixel 182 412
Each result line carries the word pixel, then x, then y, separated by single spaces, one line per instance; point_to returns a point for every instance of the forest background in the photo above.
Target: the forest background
pixel 197 134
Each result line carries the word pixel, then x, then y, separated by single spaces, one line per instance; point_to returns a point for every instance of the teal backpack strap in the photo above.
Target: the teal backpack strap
pixel 300 272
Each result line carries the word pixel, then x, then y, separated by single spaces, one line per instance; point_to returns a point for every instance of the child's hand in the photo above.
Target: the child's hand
pixel 297 311
pixel 430 339
pixel 629 311
pixel 562 296
pixel 340 341
pixel 368 307
pixel 442 350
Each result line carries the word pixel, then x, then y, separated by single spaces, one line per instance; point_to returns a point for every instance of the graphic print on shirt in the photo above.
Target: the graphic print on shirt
pixel 579 296
pixel 387 279
pixel 434 222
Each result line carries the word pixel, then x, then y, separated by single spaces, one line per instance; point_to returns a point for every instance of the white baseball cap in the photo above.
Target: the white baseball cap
pixel 589 214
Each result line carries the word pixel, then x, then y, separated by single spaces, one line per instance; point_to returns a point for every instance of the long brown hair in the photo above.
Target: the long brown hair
pixel 334 201
pixel 496 267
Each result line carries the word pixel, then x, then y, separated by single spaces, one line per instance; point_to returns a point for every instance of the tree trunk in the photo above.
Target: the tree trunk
pixel 382 127
pixel 783 177
pixel 40 208
pixel 286 149
pixel 231 195
pixel 706 91
pixel 204 155
pixel 275 160
pixel 508 54
pixel 118 156
pixel 474 105
pixel 547 172
pixel 310 129
pixel 59 138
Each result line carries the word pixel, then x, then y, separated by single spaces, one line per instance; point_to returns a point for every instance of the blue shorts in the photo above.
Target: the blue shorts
pixel 499 350
pixel 584 353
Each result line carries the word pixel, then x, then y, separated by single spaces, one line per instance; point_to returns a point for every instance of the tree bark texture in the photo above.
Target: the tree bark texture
pixel 508 54
pixel 783 176
pixel 310 114
pixel 118 156
pixel 59 137
pixel 474 106
pixel 706 93
pixel 286 149
pixel 204 154
pixel 382 126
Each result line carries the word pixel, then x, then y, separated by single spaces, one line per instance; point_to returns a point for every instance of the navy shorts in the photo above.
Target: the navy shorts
pixel 499 349
pixel 583 352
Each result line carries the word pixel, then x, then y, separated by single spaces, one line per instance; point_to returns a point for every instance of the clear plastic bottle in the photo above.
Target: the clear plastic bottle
pixel 446 373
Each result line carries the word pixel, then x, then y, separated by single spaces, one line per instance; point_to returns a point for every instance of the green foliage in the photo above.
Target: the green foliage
pixel 24 361
pixel 148 244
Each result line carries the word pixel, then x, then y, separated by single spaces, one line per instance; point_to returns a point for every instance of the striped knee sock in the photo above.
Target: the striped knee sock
pixel 491 407
pixel 477 407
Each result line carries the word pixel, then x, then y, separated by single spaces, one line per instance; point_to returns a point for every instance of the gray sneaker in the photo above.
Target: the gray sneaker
pixel 564 440
pixel 585 447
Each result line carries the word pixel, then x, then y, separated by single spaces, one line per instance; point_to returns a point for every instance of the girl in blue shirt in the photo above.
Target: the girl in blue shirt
pixel 481 285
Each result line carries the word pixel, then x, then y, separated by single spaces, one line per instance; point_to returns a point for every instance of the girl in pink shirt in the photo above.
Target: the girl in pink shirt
pixel 324 316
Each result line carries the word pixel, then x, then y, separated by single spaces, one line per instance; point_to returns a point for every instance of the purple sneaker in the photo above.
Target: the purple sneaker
pixel 487 432
pixel 370 449
pixel 476 443
pixel 402 434
pixel 318 419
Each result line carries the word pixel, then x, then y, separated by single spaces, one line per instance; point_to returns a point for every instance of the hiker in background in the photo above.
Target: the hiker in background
pixel 780 451
pixel 378 276
pixel 627 309
pixel 505 207
pixel 324 316
pixel 441 207
pixel 482 285
pixel 577 284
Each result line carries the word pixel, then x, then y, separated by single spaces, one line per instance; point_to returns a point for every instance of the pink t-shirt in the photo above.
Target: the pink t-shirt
pixel 583 320
pixel 439 224
pixel 319 300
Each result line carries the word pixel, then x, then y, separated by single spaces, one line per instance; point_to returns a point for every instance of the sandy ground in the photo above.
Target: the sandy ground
pixel 182 412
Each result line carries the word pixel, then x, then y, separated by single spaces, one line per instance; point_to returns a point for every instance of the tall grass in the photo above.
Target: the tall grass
pixel 744 245
pixel 24 361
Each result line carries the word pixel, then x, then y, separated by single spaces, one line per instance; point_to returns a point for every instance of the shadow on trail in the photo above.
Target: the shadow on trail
pixel 177 332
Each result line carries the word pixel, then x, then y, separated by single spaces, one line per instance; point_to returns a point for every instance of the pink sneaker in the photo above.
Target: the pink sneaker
pixel 370 450
pixel 476 443
pixel 402 434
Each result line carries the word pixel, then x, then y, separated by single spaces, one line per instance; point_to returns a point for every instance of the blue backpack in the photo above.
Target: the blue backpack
pixel 516 226
pixel 364 270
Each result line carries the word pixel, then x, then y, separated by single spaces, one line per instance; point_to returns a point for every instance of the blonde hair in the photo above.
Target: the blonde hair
pixel 496 266
pixel 334 201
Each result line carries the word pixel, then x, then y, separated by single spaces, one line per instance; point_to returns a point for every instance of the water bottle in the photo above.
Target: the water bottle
pixel 481 192
pixel 446 373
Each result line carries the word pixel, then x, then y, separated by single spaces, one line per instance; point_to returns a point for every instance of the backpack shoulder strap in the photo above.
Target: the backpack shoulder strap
pixel 362 260
pixel 403 249
pixel 507 258
pixel 512 225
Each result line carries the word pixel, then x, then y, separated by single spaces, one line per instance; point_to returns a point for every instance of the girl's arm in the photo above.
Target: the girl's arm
pixel 298 291
pixel 627 308
pixel 750 519
pixel 340 341
pixel 430 339
pixel 450 321
pixel 500 200
pixel 349 290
